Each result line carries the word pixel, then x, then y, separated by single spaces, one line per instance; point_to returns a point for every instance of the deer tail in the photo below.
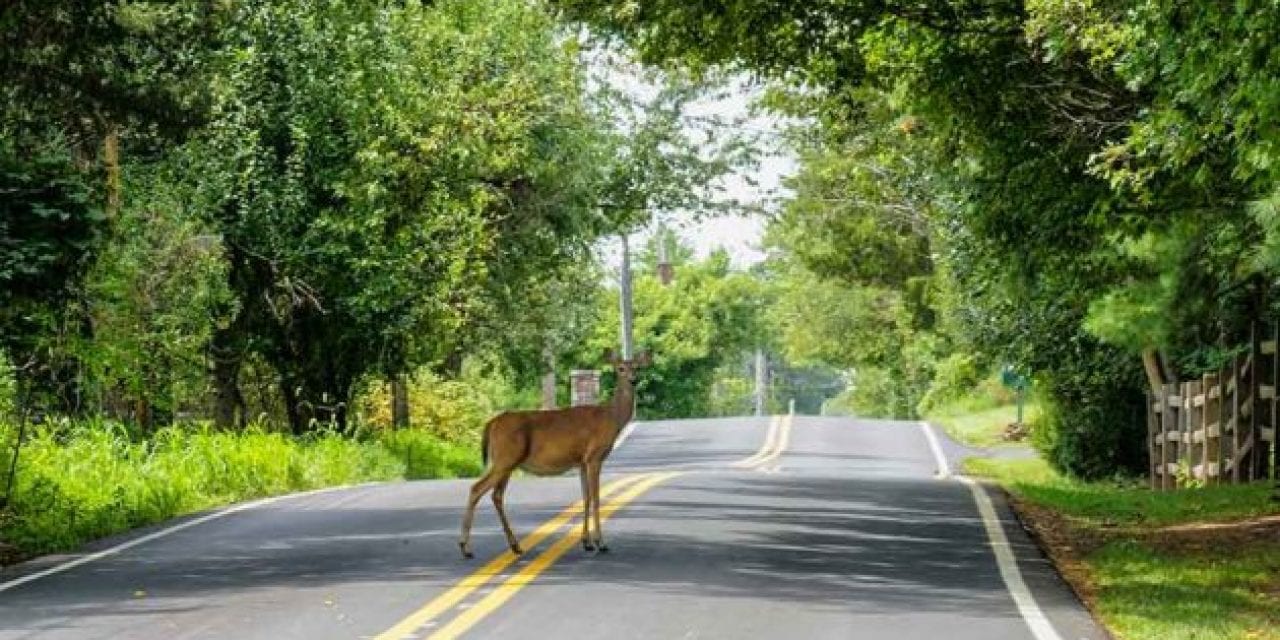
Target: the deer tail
pixel 484 444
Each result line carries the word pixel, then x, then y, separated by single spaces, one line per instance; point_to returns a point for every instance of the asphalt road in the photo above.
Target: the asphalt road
pixel 833 528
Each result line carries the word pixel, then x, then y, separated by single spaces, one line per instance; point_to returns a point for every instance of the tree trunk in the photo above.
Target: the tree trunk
pixel 452 365
pixel 228 398
pixel 399 402
pixel 297 422
pixel 1151 362
pixel 111 159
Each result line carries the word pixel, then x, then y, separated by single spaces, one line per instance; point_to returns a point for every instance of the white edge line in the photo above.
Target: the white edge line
pixel 944 469
pixel 622 437
pixel 1006 561
pixel 226 511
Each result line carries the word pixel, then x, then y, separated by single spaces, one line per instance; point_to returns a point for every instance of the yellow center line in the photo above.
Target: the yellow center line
pixel 464 587
pixel 769 439
pixel 784 440
pixel 467 619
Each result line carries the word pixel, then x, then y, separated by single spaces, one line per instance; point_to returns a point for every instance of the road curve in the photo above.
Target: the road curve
pixel 729 528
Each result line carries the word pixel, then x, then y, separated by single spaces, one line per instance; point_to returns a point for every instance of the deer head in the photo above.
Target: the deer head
pixel 626 369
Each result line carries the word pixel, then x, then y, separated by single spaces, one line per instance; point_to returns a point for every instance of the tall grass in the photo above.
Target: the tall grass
pixel 81 481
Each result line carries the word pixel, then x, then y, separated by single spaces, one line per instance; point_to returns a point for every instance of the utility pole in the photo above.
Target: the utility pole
pixel 762 379
pixel 625 299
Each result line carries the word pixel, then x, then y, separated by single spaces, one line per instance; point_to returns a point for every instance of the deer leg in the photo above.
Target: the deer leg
pixel 594 475
pixel 499 491
pixel 478 490
pixel 586 509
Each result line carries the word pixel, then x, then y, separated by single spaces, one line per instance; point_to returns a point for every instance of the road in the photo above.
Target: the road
pixel 799 527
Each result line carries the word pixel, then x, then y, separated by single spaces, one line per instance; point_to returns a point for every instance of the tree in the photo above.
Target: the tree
pixel 709 316
pixel 369 187
pixel 997 140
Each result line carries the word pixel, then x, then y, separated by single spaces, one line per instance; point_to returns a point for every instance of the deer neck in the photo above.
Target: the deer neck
pixel 623 405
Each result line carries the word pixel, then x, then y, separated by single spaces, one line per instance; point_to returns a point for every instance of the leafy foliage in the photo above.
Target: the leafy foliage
pixel 1074 178
pixel 708 317
pixel 372 193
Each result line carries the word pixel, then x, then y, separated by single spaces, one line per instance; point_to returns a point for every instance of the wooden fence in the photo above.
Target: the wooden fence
pixel 1219 429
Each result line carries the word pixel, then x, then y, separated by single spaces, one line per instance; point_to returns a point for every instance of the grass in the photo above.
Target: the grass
pixel 983 428
pixel 1106 504
pixel 1141 557
pixel 84 481
pixel 1145 592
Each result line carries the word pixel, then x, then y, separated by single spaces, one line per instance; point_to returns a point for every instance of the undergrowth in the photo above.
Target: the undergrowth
pixel 85 480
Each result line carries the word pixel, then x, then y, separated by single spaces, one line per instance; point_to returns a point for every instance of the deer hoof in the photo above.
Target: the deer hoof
pixel 466 553
pixel 587 546
pixel 602 548
pixel 515 548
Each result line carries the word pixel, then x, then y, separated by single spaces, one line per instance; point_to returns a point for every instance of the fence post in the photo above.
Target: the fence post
pixel 1195 436
pixel 1212 428
pixel 1223 410
pixel 1152 433
pixel 1253 439
pixel 1269 448
pixel 1168 423
pixel 1237 426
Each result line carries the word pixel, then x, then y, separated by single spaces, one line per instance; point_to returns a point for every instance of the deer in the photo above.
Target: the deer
pixel 550 442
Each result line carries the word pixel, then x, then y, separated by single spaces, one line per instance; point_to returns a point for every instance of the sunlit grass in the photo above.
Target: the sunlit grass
pixel 1124 502
pixel 982 428
pixel 88 480
pixel 1146 585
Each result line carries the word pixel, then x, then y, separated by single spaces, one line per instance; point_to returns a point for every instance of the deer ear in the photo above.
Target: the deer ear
pixel 644 359
pixel 610 357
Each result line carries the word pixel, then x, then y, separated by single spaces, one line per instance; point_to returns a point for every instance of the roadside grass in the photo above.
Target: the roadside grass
pixel 983 428
pixel 1148 562
pixel 1123 502
pixel 77 482
pixel 1146 592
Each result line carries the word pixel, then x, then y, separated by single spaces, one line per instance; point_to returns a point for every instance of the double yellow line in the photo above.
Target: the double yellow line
pixel 776 441
pixel 628 489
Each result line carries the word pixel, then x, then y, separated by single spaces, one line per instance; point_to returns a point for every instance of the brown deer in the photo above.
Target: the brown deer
pixel 551 442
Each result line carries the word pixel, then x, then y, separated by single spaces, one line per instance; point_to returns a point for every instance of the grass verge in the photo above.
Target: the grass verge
pixel 982 429
pixel 1191 564
pixel 77 483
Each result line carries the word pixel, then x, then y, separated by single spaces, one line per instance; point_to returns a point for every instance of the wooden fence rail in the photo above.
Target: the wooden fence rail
pixel 1220 428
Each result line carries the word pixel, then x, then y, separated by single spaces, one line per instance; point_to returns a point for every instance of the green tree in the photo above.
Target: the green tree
pixel 372 167
pixel 709 316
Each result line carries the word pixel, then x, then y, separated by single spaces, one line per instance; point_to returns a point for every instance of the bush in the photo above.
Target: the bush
pixel 873 393
pixel 451 410
pixel 425 456
pixel 1094 423
pixel 85 480
pixel 954 377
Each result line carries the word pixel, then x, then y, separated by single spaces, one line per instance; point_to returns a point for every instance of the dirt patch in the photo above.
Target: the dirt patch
pixel 1207 536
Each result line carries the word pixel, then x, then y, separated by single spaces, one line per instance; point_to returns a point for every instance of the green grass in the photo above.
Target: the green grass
pixel 1146 582
pixel 982 428
pixel 1124 502
pixel 1224 593
pixel 84 481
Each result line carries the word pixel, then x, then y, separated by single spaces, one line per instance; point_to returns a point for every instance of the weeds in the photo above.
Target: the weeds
pixel 84 480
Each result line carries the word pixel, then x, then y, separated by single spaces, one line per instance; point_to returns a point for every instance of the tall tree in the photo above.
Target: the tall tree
pixel 374 168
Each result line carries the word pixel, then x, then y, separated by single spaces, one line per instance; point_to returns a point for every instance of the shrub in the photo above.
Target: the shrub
pixel 1093 425
pixel 955 377
pixel 452 410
